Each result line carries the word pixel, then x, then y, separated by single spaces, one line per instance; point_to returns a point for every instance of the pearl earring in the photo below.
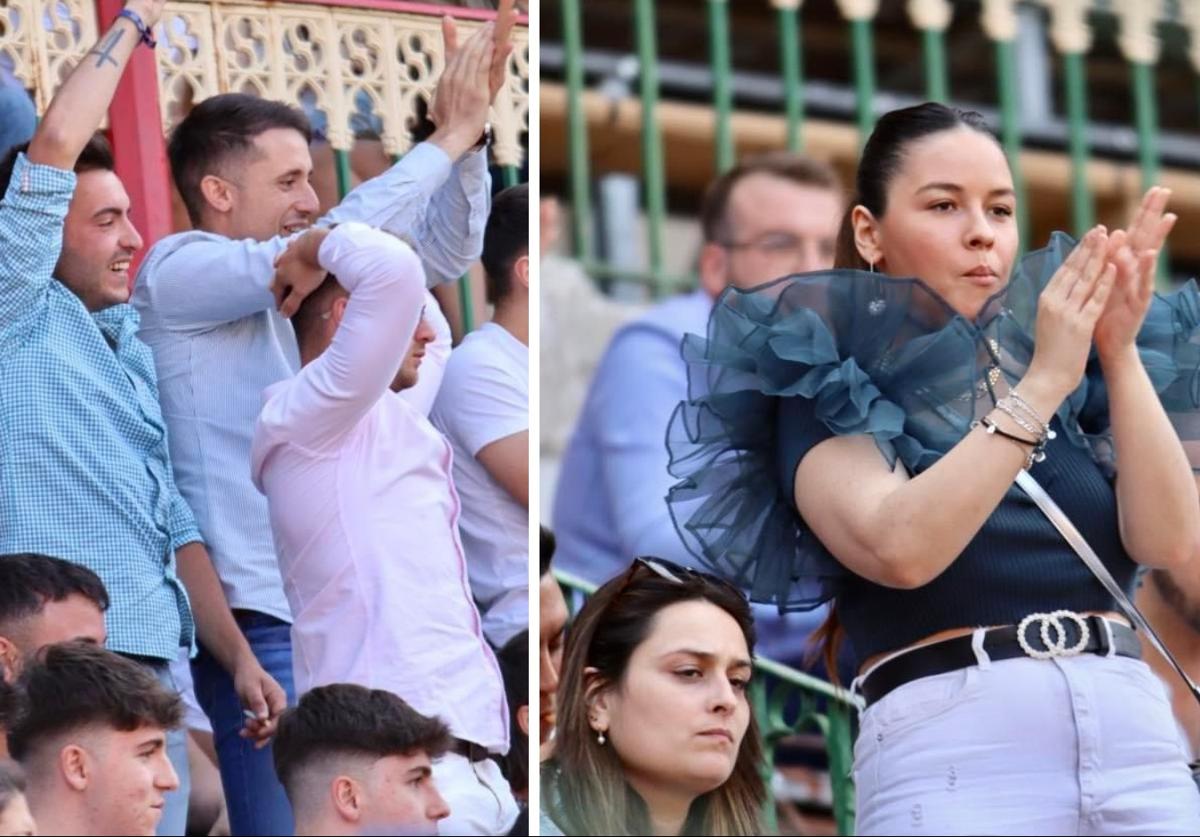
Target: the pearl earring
pixel 600 739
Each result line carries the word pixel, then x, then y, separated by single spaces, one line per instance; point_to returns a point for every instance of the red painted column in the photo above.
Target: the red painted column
pixel 139 149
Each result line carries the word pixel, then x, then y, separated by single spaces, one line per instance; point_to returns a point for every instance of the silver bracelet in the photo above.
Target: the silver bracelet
pixel 1009 408
pixel 1028 408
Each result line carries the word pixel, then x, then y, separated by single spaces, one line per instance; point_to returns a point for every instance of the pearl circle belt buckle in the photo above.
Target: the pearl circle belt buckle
pixel 1052 623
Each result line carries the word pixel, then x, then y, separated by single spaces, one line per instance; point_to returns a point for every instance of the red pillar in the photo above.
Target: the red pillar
pixel 135 129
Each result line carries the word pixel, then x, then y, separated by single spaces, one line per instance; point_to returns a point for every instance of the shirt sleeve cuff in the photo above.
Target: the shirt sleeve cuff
pixel 429 166
pixel 40 181
pixel 188 534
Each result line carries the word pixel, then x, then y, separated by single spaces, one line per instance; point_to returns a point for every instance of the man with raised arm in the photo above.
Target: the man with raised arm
pixel 242 166
pixel 365 514
pixel 85 469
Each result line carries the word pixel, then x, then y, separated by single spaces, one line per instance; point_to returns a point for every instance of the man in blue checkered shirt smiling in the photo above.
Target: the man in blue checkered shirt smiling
pixel 85 472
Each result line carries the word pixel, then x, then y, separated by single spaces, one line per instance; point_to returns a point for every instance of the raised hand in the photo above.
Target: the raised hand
pixel 461 100
pixel 1068 309
pixel 1134 254
pixel 506 16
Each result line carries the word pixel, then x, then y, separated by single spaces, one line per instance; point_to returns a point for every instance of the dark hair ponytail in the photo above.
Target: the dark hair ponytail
pixel 881 159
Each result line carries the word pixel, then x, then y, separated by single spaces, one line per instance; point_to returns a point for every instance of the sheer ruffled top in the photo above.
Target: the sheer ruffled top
pixel 872 354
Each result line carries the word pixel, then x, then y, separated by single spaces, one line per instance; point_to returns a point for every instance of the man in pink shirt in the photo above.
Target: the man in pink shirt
pixel 365 515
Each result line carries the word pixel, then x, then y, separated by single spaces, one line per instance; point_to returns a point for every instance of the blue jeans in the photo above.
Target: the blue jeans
pixel 174 818
pixel 253 795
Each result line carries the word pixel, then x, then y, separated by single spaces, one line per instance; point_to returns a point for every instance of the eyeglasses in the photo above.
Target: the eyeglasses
pixel 778 244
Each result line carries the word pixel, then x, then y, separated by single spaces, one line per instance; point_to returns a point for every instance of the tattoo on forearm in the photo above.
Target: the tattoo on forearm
pixel 103 50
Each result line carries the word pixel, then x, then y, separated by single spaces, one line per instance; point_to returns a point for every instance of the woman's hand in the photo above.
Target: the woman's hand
pixel 1068 310
pixel 1134 255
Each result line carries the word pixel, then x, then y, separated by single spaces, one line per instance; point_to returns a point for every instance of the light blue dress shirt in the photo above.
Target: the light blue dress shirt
pixel 218 342
pixel 85 473
pixel 610 504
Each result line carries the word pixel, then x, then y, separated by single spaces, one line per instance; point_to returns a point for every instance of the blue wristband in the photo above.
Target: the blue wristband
pixel 136 19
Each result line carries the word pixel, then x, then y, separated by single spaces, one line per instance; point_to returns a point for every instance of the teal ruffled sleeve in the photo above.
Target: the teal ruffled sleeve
pixel 843 352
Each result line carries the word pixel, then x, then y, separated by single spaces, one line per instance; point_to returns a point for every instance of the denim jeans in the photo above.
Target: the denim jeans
pixel 253 795
pixel 175 808
pixel 1081 745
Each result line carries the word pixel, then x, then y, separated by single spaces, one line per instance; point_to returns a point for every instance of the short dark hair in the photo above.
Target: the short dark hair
pixel 218 128
pixel 505 239
pixel 514 666
pixel 12 782
pixel 77 684
pixel 804 171
pixel 12 704
pixel 96 156
pixel 28 582
pixel 308 315
pixel 348 719
pixel 547 550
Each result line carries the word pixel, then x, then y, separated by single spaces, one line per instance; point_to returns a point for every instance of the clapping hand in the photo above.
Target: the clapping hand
pixel 1134 254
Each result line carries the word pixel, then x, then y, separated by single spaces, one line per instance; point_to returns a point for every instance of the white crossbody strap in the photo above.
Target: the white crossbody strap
pixel 1072 535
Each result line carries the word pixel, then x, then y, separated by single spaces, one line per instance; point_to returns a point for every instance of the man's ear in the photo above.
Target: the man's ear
pixel 10 660
pixel 714 269
pixel 347 797
pixel 76 767
pixel 218 193
pixel 521 271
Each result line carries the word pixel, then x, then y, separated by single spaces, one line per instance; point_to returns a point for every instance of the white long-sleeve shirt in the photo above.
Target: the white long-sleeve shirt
pixel 364 510
pixel 210 320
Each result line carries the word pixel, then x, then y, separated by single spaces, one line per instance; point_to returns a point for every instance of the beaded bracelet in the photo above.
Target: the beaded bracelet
pixel 133 17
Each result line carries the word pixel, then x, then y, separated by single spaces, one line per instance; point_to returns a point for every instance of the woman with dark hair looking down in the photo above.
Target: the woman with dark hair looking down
pixel 655 734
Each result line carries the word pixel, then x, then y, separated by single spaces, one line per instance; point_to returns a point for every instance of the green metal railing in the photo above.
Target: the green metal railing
pixel 1071 40
pixel 787 702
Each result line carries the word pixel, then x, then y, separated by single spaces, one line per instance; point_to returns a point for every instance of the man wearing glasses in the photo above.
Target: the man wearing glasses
pixel 771 216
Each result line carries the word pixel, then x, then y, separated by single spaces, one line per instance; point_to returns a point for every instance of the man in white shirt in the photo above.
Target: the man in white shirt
pixel 242 165
pixel 365 515
pixel 483 409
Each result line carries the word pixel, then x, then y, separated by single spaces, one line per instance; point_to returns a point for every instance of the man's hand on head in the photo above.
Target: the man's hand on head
pixel 298 271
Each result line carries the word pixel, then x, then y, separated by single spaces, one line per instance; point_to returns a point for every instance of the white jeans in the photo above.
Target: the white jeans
pixel 1079 745
pixel 480 800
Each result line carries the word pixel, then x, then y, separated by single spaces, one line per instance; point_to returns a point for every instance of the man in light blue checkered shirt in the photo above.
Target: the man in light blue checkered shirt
pixel 85 469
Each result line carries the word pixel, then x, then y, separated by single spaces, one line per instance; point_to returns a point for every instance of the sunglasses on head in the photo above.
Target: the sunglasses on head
pixel 676 573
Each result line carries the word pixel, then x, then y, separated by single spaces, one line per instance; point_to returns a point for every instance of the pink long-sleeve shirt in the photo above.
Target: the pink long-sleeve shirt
pixel 364 511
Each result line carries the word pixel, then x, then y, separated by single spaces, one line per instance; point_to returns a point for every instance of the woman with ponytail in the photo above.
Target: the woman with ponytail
pixel 854 436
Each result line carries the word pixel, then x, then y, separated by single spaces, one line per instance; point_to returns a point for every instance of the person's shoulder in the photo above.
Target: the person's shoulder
pixel 167 246
pixel 664 324
pixel 487 350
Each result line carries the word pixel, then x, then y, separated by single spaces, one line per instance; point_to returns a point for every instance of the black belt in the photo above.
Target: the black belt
pixel 1001 644
pixel 469 750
